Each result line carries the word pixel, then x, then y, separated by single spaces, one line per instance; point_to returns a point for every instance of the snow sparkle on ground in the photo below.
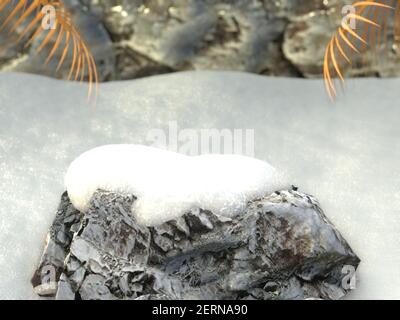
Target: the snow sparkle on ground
pixel 346 154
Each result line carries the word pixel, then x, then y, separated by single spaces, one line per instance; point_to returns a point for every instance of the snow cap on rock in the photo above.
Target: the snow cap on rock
pixel 168 184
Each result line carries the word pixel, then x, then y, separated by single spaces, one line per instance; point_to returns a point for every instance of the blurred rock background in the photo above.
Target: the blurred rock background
pixel 137 38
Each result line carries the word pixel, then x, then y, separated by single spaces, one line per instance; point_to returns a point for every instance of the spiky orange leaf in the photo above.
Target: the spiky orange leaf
pixel 61 36
pixel 348 40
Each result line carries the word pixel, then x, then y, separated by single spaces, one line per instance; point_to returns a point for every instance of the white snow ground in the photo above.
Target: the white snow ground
pixel 346 154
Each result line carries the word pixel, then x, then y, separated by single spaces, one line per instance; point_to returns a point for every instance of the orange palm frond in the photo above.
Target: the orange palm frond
pixel 60 35
pixel 370 19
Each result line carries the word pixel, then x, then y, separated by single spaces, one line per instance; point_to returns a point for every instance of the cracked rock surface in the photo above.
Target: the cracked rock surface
pixel 281 247
pixel 135 38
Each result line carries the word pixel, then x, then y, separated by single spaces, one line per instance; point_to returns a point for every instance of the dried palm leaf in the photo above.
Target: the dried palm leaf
pixel 365 28
pixel 51 22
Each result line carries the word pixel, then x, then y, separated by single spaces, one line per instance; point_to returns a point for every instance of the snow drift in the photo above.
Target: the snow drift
pixel 346 154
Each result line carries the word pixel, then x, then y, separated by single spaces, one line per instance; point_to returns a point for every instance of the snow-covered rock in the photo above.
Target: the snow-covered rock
pixel 168 184
pixel 282 246
pixel 346 154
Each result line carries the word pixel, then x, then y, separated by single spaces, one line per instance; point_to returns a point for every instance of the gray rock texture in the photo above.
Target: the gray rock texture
pixel 137 38
pixel 281 247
